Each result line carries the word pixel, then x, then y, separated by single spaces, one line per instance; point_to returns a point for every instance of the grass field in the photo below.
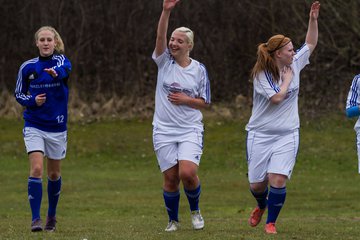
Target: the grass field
pixel 112 186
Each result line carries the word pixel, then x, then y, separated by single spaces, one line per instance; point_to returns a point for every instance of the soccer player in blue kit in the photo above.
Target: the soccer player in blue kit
pixel 182 89
pixel 273 129
pixel 42 88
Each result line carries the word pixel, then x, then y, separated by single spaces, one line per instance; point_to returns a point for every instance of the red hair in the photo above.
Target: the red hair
pixel 265 56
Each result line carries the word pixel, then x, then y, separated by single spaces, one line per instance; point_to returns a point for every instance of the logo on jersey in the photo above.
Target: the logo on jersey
pixel 33 76
pixel 176 87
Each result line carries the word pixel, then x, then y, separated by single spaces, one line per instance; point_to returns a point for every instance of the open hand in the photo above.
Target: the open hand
pixel 51 71
pixel 169 4
pixel 314 11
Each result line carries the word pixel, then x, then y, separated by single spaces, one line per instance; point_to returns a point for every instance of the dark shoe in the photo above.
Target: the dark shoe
pixel 36 225
pixel 50 224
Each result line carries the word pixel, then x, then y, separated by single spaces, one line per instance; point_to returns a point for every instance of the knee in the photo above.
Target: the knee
pixel 277 180
pixel 278 184
pixel 258 187
pixel 53 176
pixel 36 171
pixel 189 178
pixel 171 183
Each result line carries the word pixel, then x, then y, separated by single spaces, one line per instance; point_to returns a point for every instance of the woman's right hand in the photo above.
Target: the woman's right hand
pixel 286 77
pixel 287 74
pixel 40 99
pixel 169 4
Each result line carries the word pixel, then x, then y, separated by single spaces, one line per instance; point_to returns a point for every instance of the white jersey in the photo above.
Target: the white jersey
pixel 353 98
pixel 193 81
pixel 283 117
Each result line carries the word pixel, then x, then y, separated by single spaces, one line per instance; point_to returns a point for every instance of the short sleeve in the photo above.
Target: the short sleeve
pixel 205 92
pixel 264 85
pixel 162 59
pixel 301 58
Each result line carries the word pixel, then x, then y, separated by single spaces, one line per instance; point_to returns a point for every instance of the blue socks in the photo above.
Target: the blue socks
pixel 193 197
pixel 172 201
pixel 35 196
pixel 276 200
pixel 172 204
pixel 53 189
pixel 261 198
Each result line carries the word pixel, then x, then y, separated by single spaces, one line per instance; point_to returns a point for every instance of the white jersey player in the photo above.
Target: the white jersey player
pixel 273 129
pixel 182 89
pixel 352 110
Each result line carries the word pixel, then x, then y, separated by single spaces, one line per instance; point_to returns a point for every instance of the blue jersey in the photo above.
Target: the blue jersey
pixel 32 80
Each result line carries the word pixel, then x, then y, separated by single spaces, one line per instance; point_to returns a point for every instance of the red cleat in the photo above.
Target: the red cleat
pixel 255 216
pixel 270 228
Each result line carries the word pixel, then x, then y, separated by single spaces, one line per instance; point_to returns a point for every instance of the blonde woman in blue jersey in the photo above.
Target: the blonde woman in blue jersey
pixel 353 110
pixel 42 88
pixel 273 129
pixel 182 89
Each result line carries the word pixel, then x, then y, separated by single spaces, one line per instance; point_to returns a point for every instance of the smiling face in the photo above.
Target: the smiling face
pixel 46 43
pixel 179 45
pixel 285 55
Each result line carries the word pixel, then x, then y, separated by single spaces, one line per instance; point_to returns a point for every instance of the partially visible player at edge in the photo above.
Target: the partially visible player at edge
pixel 273 129
pixel 353 110
pixel 42 88
pixel 182 89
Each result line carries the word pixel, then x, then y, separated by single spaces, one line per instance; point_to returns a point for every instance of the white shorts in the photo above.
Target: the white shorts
pixel 52 144
pixel 169 149
pixel 269 153
pixel 358 148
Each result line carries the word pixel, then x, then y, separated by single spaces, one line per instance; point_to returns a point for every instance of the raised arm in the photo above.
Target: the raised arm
pixel 312 32
pixel 161 42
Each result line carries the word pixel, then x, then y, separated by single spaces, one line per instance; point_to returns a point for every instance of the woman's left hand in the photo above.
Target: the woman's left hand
pixel 178 98
pixel 51 71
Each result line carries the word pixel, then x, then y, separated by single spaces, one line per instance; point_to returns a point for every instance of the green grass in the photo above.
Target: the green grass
pixel 112 185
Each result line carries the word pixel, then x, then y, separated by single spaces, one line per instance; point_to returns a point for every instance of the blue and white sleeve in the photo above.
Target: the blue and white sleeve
pixel 265 85
pixel 353 101
pixel 63 66
pixel 205 91
pixel 21 90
